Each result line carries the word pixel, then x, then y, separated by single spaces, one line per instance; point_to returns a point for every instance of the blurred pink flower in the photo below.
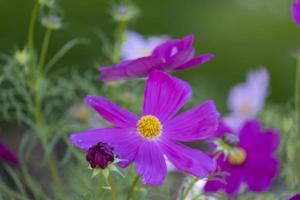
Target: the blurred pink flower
pixel 247 99
pixel 136 46
pixel 295 10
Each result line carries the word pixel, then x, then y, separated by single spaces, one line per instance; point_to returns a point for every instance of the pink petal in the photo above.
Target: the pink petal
pixel 142 66
pixel 188 160
pixel 295 10
pixel 180 58
pixel 124 141
pixel 195 62
pixel 164 95
pixel 254 139
pixel 111 112
pixel 171 47
pixel 114 73
pixel 150 164
pixel 7 155
pixel 261 171
pixel 196 124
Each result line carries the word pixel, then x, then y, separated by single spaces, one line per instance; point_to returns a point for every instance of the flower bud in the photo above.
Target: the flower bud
pixel 100 155
pixel 231 139
pixel 52 21
pixel 124 12
pixel 22 56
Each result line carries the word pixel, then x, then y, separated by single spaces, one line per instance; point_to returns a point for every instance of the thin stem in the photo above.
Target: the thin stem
pixel 132 187
pixel 54 172
pixel 44 49
pixel 297 94
pixel 31 31
pixel 189 188
pixel 112 188
pixel 120 30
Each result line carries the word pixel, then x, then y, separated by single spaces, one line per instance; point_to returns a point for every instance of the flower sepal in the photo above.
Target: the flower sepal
pixel 110 168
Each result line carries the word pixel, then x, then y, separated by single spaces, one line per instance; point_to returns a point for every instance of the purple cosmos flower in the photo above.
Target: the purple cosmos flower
pixel 146 140
pixel 295 10
pixel 247 99
pixel 296 197
pixel 251 162
pixel 172 55
pixel 100 155
pixel 7 155
pixel 135 46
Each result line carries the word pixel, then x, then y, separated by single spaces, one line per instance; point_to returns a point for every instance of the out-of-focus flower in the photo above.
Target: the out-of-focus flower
pixel 247 99
pixel 172 55
pixel 295 10
pixel 80 113
pixel 123 13
pixel 7 155
pixel 22 56
pixel 49 3
pixel 52 22
pixel 100 155
pixel 157 134
pixel 251 162
pixel 296 197
pixel 196 191
pixel 136 46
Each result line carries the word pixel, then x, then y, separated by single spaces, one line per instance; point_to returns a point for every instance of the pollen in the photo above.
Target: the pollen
pixel 237 157
pixel 149 127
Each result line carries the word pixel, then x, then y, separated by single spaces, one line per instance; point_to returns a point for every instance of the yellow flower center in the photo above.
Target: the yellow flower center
pixel 237 156
pixel 149 127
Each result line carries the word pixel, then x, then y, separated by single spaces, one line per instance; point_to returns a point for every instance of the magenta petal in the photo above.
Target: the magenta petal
pixel 111 112
pixel 213 185
pixel 254 139
pixel 261 170
pixel 124 141
pixel 180 58
pixel 171 47
pixel 142 66
pixel 295 10
pixel 7 155
pixel 189 160
pixel 233 183
pixel 196 124
pixel 164 95
pixel 195 62
pixel 150 164
pixel 114 73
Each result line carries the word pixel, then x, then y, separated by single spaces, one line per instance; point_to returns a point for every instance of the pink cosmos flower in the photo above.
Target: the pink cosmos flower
pixel 7 155
pixel 247 99
pixel 147 139
pixel 136 46
pixel 252 161
pixel 295 10
pixel 172 55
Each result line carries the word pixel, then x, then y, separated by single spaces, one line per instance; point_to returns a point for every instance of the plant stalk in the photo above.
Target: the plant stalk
pixel 132 187
pixel 112 188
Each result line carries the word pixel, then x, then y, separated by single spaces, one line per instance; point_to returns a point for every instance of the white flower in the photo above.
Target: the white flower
pixel 136 46
pixel 247 99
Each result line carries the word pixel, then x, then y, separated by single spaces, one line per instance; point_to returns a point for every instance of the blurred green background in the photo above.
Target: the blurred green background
pixel 243 34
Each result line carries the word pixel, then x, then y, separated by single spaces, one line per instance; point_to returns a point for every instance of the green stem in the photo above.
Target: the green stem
pixel 31 32
pixel 112 188
pixel 54 172
pixel 189 188
pixel 132 187
pixel 297 94
pixel 120 30
pixel 44 49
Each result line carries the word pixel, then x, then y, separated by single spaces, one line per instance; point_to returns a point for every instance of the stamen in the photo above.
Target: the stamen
pixel 237 156
pixel 149 127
